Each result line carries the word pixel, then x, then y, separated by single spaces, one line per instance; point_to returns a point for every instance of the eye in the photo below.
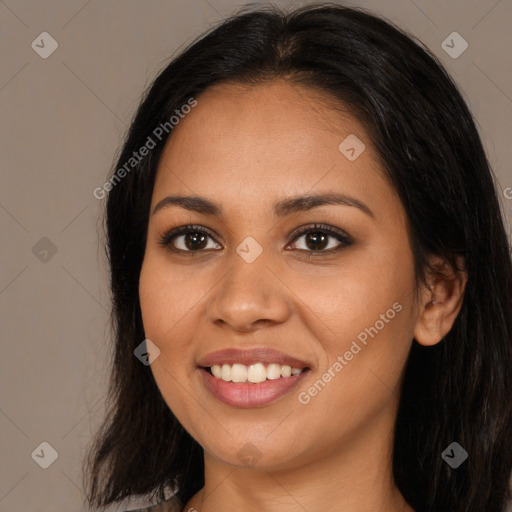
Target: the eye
pixel 188 239
pixel 320 239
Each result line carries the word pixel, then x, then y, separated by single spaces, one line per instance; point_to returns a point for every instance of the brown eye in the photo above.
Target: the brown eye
pixel 322 239
pixel 188 239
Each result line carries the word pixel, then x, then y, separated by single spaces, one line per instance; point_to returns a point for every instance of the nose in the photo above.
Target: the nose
pixel 249 296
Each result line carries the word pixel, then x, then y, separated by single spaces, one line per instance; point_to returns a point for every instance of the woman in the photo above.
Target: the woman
pixel 342 339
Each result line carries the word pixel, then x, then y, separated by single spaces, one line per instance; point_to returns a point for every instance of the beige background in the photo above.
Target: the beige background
pixel 62 120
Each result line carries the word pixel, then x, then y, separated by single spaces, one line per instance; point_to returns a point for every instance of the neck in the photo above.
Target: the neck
pixel 357 476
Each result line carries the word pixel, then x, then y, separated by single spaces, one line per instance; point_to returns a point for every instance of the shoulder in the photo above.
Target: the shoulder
pixel 171 505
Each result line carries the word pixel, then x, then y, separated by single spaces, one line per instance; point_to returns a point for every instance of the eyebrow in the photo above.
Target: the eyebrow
pixel 281 209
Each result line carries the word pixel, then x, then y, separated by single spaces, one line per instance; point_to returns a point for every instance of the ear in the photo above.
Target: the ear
pixel 441 300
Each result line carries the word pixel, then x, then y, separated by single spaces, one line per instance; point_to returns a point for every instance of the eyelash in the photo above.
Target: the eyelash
pixel 344 239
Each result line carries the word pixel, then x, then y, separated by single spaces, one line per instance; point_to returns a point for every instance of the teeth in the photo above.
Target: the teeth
pixel 254 373
pixel 238 373
pixel 225 372
pixel 217 371
pixel 273 371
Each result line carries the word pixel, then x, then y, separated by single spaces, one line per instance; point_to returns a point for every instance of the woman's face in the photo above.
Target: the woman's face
pixel 254 293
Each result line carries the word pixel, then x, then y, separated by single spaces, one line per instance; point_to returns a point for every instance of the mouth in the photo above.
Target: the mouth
pixel 246 394
pixel 251 378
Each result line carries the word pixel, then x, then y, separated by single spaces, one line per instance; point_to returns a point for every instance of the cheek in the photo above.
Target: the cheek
pixel 167 297
pixel 367 326
pixel 170 301
pixel 164 307
pixel 352 295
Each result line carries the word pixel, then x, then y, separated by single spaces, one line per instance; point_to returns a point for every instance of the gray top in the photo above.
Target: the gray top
pixel 173 504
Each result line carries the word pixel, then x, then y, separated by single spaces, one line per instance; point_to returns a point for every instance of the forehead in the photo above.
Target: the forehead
pixel 262 142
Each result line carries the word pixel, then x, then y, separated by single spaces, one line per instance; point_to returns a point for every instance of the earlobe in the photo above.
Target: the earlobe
pixel 440 303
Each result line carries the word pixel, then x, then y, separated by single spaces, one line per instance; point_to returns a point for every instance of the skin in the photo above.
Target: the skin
pixel 246 148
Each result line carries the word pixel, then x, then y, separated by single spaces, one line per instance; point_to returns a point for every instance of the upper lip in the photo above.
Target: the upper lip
pixel 250 356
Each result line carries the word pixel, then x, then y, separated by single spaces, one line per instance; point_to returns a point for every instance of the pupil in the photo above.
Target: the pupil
pixel 191 240
pixel 317 240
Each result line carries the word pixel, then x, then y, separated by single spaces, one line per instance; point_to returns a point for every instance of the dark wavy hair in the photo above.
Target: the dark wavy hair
pixel 458 390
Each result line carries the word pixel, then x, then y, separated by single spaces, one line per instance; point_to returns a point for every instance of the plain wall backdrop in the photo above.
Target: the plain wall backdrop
pixel 63 117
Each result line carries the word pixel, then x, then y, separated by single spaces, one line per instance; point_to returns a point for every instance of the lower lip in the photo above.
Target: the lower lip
pixel 247 394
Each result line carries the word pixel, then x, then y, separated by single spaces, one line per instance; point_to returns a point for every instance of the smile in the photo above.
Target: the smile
pixel 251 377
pixel 254 373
